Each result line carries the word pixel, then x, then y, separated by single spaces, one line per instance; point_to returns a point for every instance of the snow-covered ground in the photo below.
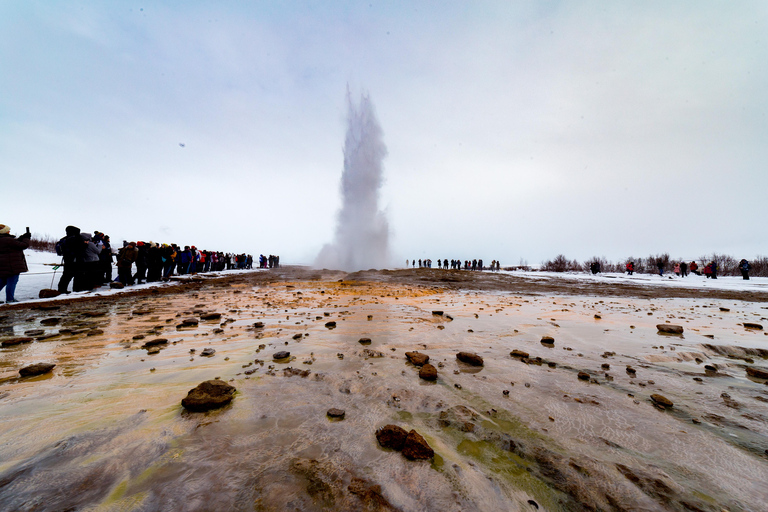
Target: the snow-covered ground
pixel 735 283
pixel 41 275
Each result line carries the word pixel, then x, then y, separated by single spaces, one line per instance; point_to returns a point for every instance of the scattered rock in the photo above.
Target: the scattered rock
pixel 258 325
pixel 518 353
pixel 188 322
pixel 416 447
pixel 470 358
pixel 724 309
pixel 48 293
pixel 547 340
pixel 116 285
pixel 290 372
pixel 391 436
pixel 330 325
pixel 36 369
pixel 437 313
pixel 9 342
pixel 283 354
pixel 336 413
pixel 50 321
pixel 34 332
pixel 207 352
pixel 661 400
pixel 210 394
pixel 428 372
pixel 417 358
pixel 583 376
pixel 670 329
pixel 153 350
pixel 364 341
pixel 210 316
pixel 750 325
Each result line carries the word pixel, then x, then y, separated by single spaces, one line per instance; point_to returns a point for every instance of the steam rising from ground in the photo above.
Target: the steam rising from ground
pixel 362 231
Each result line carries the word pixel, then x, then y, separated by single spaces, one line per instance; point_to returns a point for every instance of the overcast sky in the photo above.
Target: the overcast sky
pixel 515 130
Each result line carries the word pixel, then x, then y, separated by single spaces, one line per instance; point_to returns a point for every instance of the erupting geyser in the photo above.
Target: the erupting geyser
pixel 362 231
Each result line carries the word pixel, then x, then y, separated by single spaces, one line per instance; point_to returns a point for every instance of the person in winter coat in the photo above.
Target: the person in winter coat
pixel 744 268
pixel 683 269
pixel 105 260
pixel 694 267
pixel 630 267
pixel 677 269
pixel 141 263
pixel 71 249
pixel 12 260
pixel 125 259
pixel 88 277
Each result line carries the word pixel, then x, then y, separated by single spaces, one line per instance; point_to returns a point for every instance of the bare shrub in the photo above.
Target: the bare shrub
pixel 726 265
pixel 42 242
pixel 560 264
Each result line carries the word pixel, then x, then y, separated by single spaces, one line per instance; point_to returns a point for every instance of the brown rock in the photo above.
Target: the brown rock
pixel 417 358
pixel 759 373
pixel 336 413
pixel 547 340
pixel 661 400
pixel 210 394
pixel 428 372
pixel 518 353
pixel 416 447
pixel 210 316
pixel 36 369
pixel 9 342
pixel 470 358
pixel 367 352
pixel 670 329
pixel 50 321
pixel 364 341
pixel 155 342
pixel 48 293
pixel 116 285
pixel 750 325
pixel 391 436
pixel 583 376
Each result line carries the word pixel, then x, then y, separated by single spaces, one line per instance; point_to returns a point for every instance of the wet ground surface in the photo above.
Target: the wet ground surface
pixel 105 429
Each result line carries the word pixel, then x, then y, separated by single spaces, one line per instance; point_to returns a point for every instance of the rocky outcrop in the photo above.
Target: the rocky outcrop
pixel 391 436
pixel 518 354
pixel 18 340
pixel 283 354
pixel 661 400
pixel 416 447
pixel 759 373
pixel 208 395
pixel 210 316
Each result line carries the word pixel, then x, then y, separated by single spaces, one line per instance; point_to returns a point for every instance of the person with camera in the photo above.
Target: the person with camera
pixel 12 260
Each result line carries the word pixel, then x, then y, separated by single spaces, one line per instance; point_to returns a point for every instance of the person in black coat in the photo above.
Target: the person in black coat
pixel 72 250
pixel 12 260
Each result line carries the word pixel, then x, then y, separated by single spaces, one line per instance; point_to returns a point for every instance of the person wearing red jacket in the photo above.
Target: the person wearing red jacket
pixel 12 260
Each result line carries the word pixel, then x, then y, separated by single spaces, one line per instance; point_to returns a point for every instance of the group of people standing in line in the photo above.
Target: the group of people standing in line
pixel 681 269
pixel 455 264
pixel 88 260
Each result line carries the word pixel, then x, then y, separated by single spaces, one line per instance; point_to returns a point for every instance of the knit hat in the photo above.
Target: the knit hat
pixel 4 230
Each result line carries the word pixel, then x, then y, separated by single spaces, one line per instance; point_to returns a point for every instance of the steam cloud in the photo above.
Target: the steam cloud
pixel 362 231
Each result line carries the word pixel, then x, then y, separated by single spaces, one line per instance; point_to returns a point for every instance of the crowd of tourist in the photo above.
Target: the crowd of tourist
pixel 455 264
pixel 88 261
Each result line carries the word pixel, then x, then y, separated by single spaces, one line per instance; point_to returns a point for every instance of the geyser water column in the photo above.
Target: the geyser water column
pixel 362 232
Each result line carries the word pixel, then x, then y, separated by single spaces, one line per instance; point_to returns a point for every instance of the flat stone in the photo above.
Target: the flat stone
pixel 258 325
pixel 391 436
pixel 417 358
pixel 18 340
pixel 547 340
pixel 470 358
pixel 154 342
pixel 36 369
pixel 364 341
pixel 437 313
pixel 50 321
pixel 48 293
pixel 330 325
pixel 210 316
pixel 518 353
pixel 336 413
pixel 367 352
pixel 750 325
pixel 583 376
pixel 670 329
pixel 210 394
pixel 116 285
pixel 153 350
pixel 283 354
pixel 207 352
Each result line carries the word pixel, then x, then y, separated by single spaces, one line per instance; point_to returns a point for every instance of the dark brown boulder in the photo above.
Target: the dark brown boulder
pixel 330 325
pixel 759 373
pixel 417 358
pixel 364 341
pixel 670 329
pixel 210 394
pixel 210 316
pixel 283 354
pixel 117 285
pixel 18 340
pixel 583 376
pixel 518 353
pixel 470 358
pixel 50 321
pixel 750 325
pixel 391 436
pixel 416 447
pixel 428 372
pixel 155 342
pixel 36 369
pixel 48 293
pixel 336 413
pixel 661 400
